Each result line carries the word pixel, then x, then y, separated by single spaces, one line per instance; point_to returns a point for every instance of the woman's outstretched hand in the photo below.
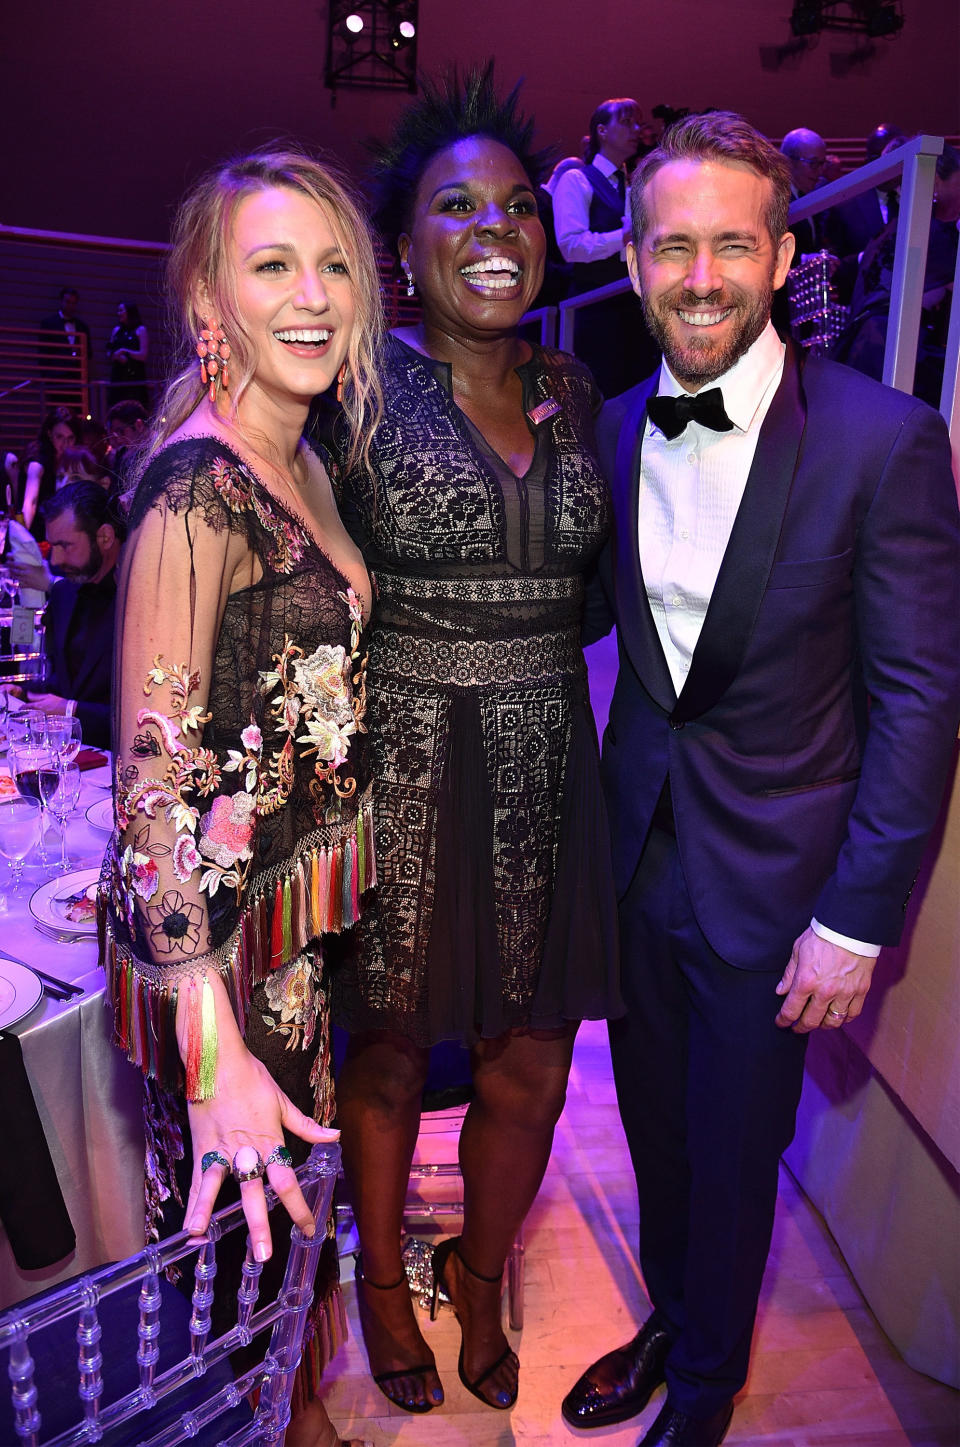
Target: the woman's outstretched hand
pixel 248 1109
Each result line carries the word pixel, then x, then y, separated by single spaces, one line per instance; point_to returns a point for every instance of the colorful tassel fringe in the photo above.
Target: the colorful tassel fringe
pixel 318 894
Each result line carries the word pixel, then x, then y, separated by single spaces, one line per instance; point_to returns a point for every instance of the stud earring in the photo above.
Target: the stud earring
pixel 213 349
pixel 409 275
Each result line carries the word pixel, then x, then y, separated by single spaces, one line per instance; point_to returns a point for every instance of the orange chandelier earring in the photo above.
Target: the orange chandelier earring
pixel 213 349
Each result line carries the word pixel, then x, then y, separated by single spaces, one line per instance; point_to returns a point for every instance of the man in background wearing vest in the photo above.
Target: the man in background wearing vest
pixel 592 229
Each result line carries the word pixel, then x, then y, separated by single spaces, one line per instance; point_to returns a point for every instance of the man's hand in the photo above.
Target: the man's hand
pixel 824 984
pixel 48 702
pixel 29 575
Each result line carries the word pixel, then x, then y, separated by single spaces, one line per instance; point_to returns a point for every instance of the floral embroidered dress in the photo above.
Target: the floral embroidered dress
pixel 243 827
pixel 494 908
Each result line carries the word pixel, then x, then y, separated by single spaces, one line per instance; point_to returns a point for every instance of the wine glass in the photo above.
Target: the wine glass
pixel 60 790
pixel 64 737
pixel 34 720
pixel 17 731
pixel 27 766
pixel 19 820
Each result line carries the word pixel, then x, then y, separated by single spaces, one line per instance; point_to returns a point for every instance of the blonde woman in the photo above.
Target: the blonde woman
pixel 243 826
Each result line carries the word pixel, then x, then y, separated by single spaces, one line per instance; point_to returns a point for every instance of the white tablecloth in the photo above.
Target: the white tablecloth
pixel 88 1096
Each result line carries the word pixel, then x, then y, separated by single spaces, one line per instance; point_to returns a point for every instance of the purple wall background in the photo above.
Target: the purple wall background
pixel 108 110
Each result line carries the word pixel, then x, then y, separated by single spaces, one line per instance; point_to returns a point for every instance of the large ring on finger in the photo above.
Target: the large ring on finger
pixel 248 1164
pixel 279 1156
pixel 213 1158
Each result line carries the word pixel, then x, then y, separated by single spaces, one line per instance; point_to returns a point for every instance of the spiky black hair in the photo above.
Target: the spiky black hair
pixel 449 110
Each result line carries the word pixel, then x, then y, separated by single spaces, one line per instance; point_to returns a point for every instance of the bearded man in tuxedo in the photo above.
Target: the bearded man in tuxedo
pixel 785 583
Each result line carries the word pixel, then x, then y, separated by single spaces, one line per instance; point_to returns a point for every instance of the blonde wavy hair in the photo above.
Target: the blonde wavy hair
pixel 199 261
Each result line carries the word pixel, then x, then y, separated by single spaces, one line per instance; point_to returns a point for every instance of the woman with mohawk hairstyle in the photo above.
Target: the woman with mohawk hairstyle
pixel 481 509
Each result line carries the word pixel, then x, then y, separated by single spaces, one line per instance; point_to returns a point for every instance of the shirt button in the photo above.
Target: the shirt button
pixel 676 601
pixel 676 724
pixel 691 457
pixel 684 533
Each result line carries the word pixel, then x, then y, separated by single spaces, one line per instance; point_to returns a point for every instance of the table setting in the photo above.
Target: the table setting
pixel 83 1141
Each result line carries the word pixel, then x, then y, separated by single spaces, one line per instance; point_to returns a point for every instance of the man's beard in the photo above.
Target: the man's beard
pixel 82 575
pixel 703 359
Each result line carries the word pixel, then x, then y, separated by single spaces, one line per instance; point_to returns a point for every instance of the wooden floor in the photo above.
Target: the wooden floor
pixel 823 1374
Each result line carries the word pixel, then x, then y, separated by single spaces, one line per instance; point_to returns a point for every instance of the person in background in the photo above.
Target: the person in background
pixel 92 435
pixel 862 344
pixel 589 212
pixel 42 469
pixel 85 536
pixel 80 465
pixel 126 429
pixel 557 273
pixel 60 357
pixel 128 349
pixel 806 155
pixel 850 226
pixel 785 587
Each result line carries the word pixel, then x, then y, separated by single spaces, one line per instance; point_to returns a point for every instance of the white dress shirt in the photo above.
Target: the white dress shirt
pixel 691 488
pixel 572 196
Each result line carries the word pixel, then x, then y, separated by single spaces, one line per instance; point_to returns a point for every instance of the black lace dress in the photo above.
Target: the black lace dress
pixel 495 907
pixel 243 827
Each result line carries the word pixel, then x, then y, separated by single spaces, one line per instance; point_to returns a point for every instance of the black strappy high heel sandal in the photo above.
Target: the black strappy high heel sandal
pixel 421 1369
pixel 441 1256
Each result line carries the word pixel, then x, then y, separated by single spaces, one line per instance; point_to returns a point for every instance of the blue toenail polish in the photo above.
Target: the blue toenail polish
pixel 437 1395
pixel 504 1397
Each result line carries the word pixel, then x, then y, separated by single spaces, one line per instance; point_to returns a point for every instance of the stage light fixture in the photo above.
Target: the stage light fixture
pixel 873 18
pixel 372 44
pixel 403 34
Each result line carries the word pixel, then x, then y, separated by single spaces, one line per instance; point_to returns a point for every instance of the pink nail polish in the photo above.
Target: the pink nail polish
pixel 261 1251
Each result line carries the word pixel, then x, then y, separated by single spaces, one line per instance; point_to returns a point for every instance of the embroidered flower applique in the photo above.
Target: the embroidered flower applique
pixel 174 924
pixel 216 839
pixel 292 995
pixel 233 486
pixel 141 872
pixel 314 693
pixel 226 830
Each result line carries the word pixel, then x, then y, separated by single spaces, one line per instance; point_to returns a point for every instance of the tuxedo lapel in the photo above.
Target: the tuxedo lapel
pixel 635 623
pixel 746 565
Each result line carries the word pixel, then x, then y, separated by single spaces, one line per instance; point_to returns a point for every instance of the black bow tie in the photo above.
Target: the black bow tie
pixel 671 414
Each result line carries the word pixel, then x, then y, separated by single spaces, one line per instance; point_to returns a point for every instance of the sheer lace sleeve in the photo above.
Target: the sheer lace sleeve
pixel 185 812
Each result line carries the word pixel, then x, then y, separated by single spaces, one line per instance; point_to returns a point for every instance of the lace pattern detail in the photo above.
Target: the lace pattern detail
pixel 477 662
pixel 475 678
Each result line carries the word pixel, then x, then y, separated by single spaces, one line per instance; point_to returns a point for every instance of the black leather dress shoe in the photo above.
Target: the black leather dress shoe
pixel 619 1385
pixel 673 1428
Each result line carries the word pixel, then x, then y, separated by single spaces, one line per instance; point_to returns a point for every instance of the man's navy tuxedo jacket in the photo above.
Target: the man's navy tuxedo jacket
pixel 808 749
